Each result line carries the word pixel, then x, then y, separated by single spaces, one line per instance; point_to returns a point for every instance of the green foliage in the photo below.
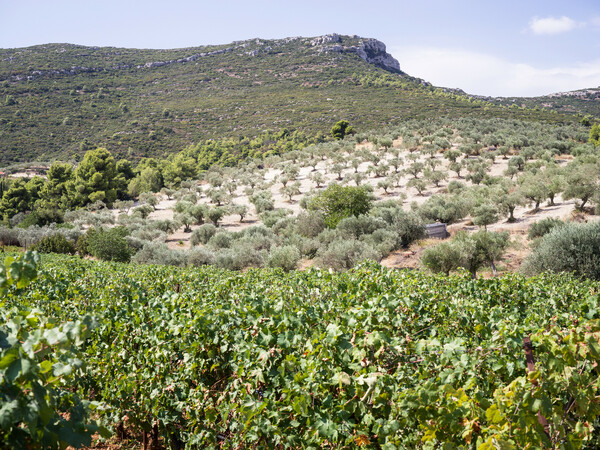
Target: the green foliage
pixel 484 215
pixel 202 234
pixel 542 227
pixel 417 361
pixel 572 247
pixel 40 361
pixel 338 202
pixel 467 251
pixel 444 208
pixel 286 258
pixel 442 258
pixel 341 129
pixel 15 200
pixel 107 244
pixel 55 243
pixel 344 254
pixel 583 182
pixel 95 178
pixel 595 135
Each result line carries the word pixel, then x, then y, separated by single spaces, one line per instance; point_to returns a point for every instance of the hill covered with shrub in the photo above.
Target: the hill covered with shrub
pixel 59 100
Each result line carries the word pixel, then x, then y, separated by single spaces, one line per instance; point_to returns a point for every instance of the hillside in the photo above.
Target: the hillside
pixel 59 100
pixel 581 101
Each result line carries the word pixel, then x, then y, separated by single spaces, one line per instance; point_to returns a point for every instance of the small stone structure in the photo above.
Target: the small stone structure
pixel 437 230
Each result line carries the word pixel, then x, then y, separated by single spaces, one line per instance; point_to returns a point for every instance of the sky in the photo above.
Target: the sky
pixel 485 47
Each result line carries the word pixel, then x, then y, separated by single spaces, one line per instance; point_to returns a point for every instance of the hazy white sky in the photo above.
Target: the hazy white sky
pixel 507 48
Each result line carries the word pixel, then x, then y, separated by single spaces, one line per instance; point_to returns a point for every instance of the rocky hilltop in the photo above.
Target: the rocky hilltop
pixel 369 50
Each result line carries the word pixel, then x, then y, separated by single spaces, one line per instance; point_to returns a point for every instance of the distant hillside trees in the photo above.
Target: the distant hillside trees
pixel 341 129
pixel 595 134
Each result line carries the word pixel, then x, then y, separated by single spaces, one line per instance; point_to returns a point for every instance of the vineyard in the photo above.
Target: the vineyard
pixel 373 358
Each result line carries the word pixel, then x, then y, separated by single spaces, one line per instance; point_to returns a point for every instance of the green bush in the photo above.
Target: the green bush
pixel 202 234
pixel 159 254
pixel 239 258
pixel 56 243
pixel 29 220
pixel 200 257
pixel 470 251
pixel 345 254
pixel 310 224
pixel 109 245
pixel 338 202
pixel 81 245
pixel 270 218
pixel 572 247
pixel 221 240
pixel 408 226
pixel 442 258
pixel 355 227
pixel 285 257
pixel 543 227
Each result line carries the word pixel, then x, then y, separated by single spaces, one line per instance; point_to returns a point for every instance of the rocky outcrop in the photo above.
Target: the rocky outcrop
pixel 374 52
pixel 369 50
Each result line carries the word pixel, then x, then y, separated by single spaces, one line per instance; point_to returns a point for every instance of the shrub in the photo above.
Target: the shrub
pixel 29 220
pixel 55 243
pixel 443 257
pixel 469 251
pixel 143 211
pixel 310 224
pixel 456 187
pixel 202 234
pixel 109 245
pixel 345 254
pixel 444 208
pixel 200 257
pixel 543 227
pixel 159 254
pixel 270 218
pixel 221 240
pixel 239 258
pixel 9 236
pixel 408 226
pixel 215 214
pixel 149 234
pixel 257 238
pixel 309 247
pixel 17 219
pixel 382 240
pixel 285 228
pixel 31 235
pixel 569 248
pixel 355 227
pixel 338 202
pixel 285 257
pixel 262 201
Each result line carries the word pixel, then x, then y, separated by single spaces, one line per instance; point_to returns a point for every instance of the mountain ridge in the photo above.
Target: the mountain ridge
pixel 369 50
pixel 59 100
